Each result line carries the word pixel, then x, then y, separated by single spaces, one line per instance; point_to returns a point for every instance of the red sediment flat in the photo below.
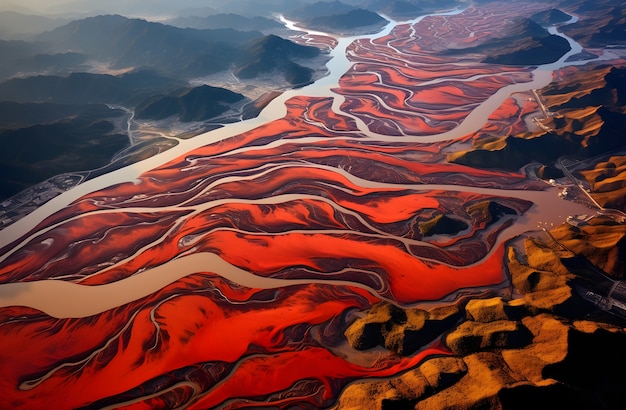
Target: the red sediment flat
pixel 292 210
pixel 180 327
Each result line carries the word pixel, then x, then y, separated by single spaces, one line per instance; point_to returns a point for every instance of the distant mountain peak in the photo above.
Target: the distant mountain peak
pixel 335 16
pixel 321 8
pixel 550 17
pixel 271 53
pixel 522 26
pixel 124 42
pixel 226 20
pixel 277 47
pixel 190 104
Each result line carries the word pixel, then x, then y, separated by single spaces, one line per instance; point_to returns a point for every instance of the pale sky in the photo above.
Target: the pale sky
pixel 145 8
pixel 44 6
pixel 81 6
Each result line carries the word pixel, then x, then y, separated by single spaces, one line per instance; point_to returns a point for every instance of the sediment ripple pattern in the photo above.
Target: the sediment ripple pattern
pixel 226 276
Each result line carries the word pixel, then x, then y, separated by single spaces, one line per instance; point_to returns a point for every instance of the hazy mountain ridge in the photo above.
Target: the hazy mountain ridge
pixel 15 115
pixel 156 61
pixel 275 53
pixel 335 16
pixel 122 43
pixel 82 88
pixel 550 17
pixel 226 20
pixel 605 26
pixel 162 9
pixel 250 58
pixel 525 43
pixel 189 104
pixel 349 20
pixel 48 64
pixel 321 9
pixel 71 144
pixel 402 9
pixel 125 42
pixel 14 24
pixel 15 51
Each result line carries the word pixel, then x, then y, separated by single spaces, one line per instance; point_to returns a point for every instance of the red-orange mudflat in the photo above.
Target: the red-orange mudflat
pixel 319 200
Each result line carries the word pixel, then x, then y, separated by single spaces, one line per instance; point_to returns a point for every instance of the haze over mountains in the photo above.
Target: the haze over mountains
pixel 226 20
pixel 159 57
pixel 525 42
pixel 122 42
pixel 61 76
pixel 335 16
pixel 166 8
pixel 68 66
pixel 190 104
pixel 16 24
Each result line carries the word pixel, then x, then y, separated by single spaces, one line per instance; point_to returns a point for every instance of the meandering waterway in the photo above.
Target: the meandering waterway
pixel 49 295
pixel 224 271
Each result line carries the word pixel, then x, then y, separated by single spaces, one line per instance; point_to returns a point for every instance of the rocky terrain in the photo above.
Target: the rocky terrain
pixel 586 112
pixel 607 180
pixel 557 334
pixel 540 341
pixel 345 293
pixel 606 24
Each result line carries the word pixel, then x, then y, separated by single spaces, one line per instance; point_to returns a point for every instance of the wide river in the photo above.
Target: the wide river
pixel 64 299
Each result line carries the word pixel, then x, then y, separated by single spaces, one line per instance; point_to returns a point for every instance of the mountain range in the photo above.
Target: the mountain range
pixel 403 9
pixel 525 43
pixel 273 53
pixel 606 26
pixel 188 104
pixel 15 25
pixel 124 42
pixel 57 87
pixel 82 88
pixel 14 115
pixel 41 151
pixel 335 16
pixel 226 20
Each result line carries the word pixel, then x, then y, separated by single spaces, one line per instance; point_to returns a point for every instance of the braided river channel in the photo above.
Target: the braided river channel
pixel 238 257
